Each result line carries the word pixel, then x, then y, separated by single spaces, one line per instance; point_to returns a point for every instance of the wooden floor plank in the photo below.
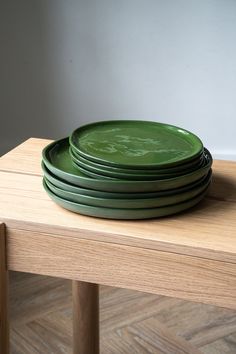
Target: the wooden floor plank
pixel 225 345
pixel 131 322
pixel 153 336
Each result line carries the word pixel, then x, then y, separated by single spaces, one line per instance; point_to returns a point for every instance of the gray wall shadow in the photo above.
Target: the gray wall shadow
pixel 65 63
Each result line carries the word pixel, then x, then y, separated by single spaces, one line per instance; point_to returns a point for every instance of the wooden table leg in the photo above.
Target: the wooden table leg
pixel 4 325
pixel 85 318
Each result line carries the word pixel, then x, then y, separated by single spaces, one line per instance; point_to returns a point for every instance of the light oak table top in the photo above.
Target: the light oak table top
pixel 190 255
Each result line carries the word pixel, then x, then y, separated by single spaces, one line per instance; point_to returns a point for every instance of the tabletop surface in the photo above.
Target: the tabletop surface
pixel 207 230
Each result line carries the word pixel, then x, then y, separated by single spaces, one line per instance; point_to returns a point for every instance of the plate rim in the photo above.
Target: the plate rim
pixel 115 194
pixel 187 203
pixel 148 166
pixel 119 183
pixel 99 173
pixel 150 172
pixel 197 190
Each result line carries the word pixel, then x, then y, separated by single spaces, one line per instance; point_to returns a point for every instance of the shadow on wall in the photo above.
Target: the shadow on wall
pixel 66 63
pixel 27 107
pixel 48 59
pixel 41 69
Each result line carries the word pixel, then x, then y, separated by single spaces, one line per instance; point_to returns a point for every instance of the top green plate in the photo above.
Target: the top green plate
pixel 135 144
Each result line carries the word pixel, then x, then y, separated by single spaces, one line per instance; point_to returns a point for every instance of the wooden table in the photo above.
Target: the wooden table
pixel 190 256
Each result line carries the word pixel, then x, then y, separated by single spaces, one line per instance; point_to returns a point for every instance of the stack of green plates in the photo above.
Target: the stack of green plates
pixel 127 170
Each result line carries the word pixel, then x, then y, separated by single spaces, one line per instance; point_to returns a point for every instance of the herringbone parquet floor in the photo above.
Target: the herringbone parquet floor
pixel 131 322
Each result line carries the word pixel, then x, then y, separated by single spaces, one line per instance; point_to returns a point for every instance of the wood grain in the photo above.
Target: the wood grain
pixel 4 325
pixel 163 273
pixel 25 157
pixel 130 321
pixel 206 231
pixel 85 318
pixel 190 256
pixel 159 337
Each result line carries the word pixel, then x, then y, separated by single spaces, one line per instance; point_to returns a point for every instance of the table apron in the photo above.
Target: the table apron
pixel 164 273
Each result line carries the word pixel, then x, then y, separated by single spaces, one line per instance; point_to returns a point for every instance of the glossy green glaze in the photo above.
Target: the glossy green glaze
pixel 57 182
pixel 113 213
pixel 135 144
pixel 183 168
pixel 57 159
pixel 97 172
pixel 128 203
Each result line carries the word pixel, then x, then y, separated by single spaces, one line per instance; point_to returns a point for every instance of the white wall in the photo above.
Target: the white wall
pixel 67 62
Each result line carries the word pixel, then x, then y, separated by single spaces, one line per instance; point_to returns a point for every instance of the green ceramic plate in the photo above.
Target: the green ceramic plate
pixel 93 175
pixel 57 182
pixel 99 173
pixel 135 144
pixel 113 213
pixel 128 203
pixel 57 159
pixel 184 168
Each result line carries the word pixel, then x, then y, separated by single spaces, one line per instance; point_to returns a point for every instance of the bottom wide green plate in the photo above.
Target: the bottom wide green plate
pixel 124 214
pixel 139 203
